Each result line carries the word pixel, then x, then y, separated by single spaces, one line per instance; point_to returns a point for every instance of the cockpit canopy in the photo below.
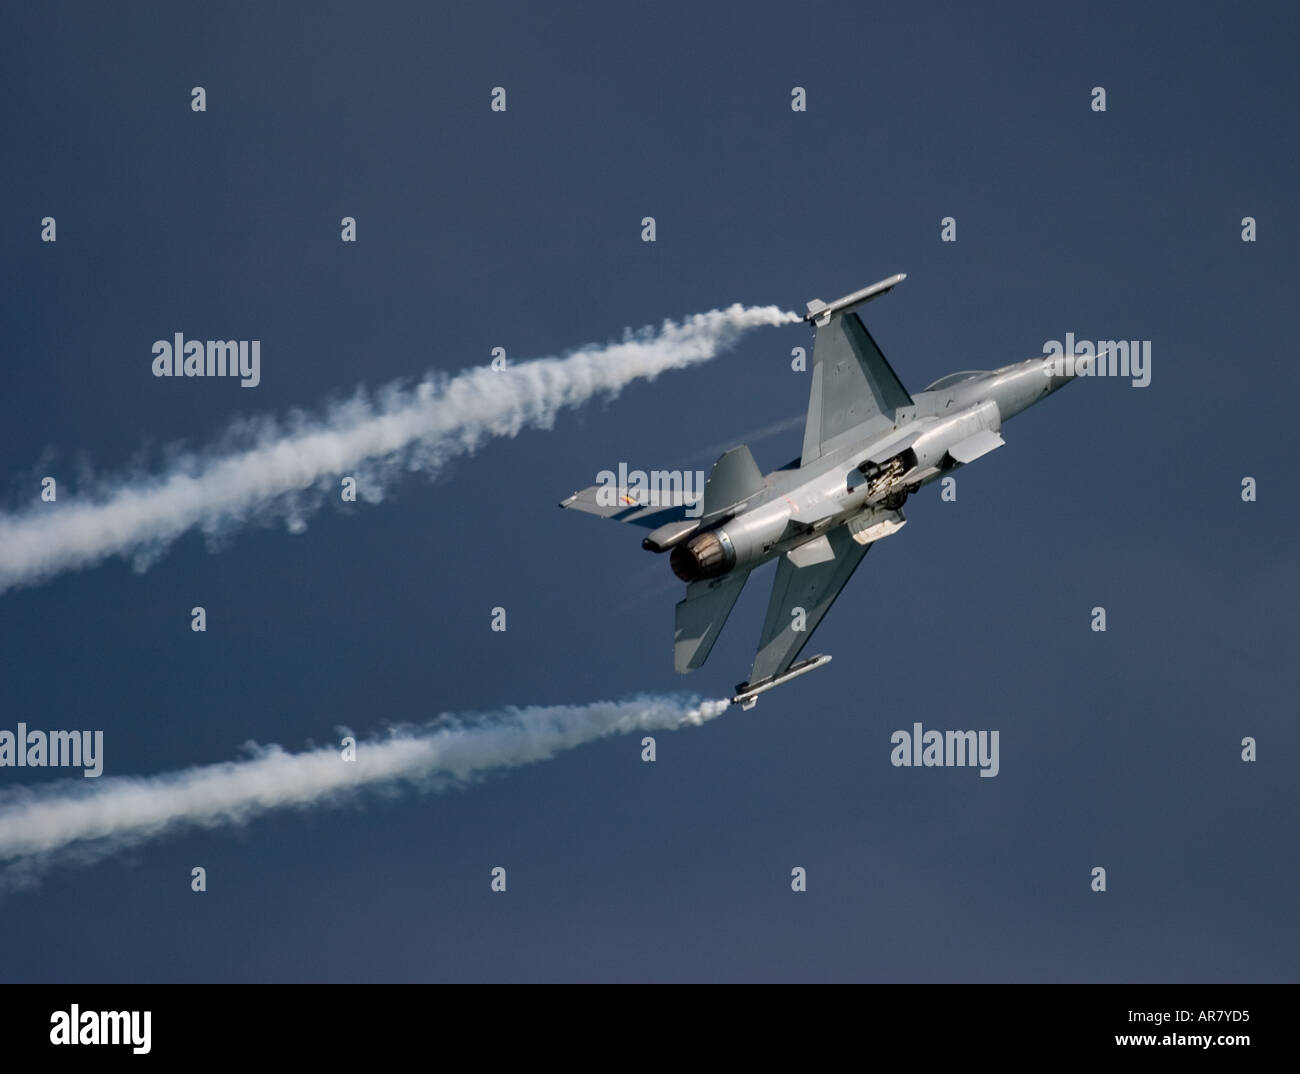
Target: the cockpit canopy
pixel 955 378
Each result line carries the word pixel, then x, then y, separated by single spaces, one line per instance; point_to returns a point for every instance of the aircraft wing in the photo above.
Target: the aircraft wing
pixel 851 383
pixel 812 588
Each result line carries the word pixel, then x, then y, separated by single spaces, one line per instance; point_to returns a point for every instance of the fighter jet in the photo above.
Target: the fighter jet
pixel 868 444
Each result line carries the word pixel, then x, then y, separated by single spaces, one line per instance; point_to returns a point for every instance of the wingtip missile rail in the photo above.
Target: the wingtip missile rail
pixel 747 696
pixel 819 312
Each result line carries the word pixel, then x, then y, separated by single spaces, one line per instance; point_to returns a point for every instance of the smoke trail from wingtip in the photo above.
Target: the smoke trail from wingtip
pixel 100 816
pixel 273 469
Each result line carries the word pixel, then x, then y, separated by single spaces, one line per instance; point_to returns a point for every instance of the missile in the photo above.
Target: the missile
pixel 747 696
pixel 819 312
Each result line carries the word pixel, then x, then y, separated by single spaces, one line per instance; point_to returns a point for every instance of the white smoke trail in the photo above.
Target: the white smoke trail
pixel 106 814
pixel 415 428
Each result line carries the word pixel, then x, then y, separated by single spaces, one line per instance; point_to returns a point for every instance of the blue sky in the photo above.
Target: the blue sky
pixel 522 230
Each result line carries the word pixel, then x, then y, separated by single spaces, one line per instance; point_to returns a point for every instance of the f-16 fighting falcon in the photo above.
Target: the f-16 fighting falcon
pixel 867 446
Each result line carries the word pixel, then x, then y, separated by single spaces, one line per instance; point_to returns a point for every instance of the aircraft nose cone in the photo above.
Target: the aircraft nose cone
pixel 1064 369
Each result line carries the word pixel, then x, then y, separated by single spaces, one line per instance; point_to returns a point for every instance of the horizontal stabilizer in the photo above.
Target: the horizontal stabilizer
pixel 701 617
pixel 650 508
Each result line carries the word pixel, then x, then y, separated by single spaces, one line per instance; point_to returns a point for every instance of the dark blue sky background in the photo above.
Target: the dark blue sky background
pixel 521 230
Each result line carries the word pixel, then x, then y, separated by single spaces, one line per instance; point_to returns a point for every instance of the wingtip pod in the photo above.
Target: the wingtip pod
pixel 819 312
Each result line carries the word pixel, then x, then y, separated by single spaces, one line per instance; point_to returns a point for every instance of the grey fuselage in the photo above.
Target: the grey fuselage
pixel 867 471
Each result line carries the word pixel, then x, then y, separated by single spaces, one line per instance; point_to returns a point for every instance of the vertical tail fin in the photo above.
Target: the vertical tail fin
pixel 734 477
